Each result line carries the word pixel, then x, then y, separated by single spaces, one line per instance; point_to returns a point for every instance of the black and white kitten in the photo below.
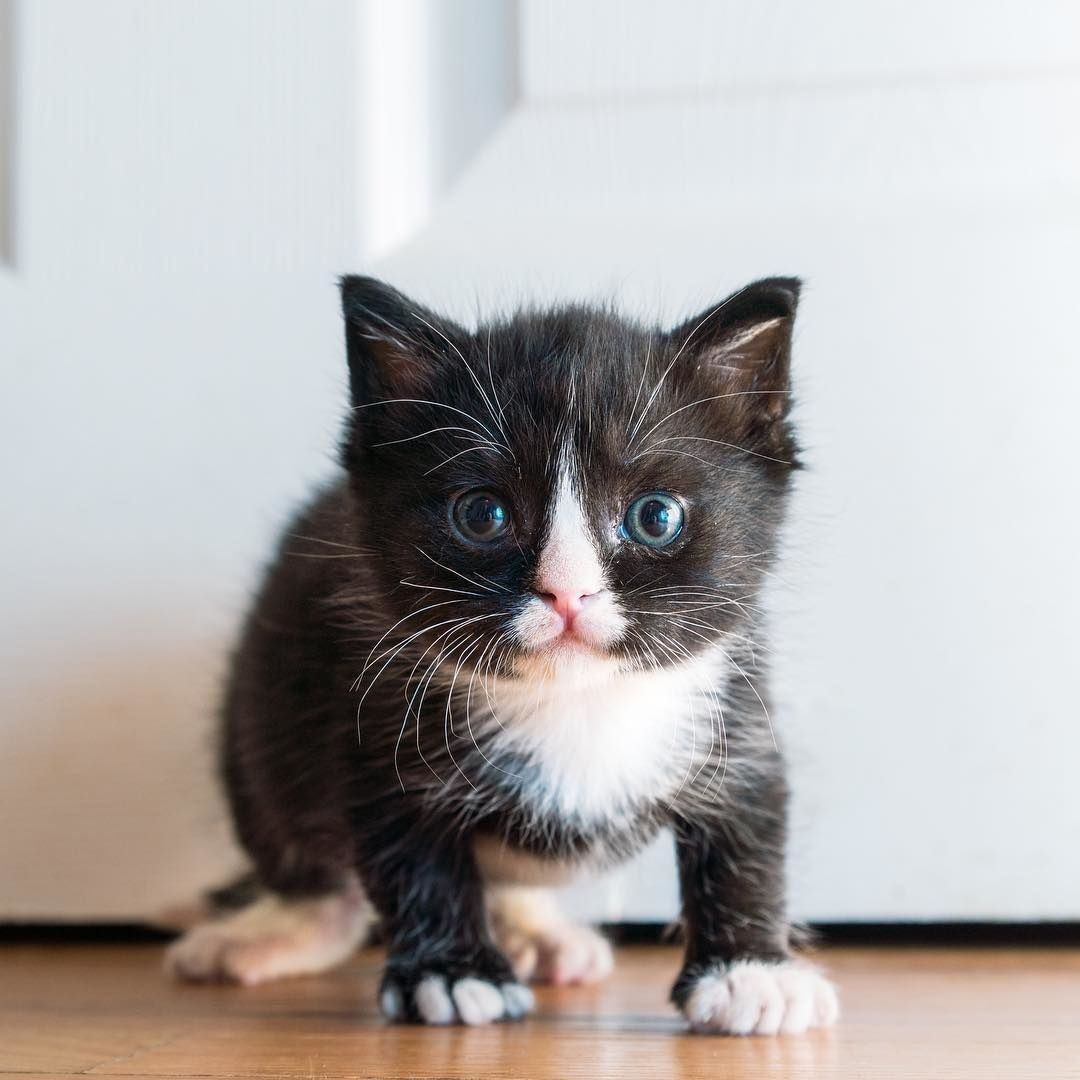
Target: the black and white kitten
pixel 517 638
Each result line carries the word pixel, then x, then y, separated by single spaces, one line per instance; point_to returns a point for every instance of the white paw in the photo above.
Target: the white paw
pixel 541 943
pixel 560 954
pixel 468 1001
pixel 755 998
pixel 271 939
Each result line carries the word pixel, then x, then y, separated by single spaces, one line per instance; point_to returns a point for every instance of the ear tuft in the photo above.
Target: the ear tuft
pixel 393 344
pixel 744 345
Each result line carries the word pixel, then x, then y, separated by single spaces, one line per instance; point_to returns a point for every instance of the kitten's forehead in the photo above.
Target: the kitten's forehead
pixel 572 394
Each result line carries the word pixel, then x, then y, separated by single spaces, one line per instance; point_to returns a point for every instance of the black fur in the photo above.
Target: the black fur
pixel 335 761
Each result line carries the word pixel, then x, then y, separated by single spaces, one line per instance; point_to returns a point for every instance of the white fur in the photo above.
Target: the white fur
pixel 391 1004
pixel 755 998
pixel 603 739
pixel 478 1002
pixel 274 938
pixel 569 563
pixel 470 1000
pixel 542 944
pixel 731 353
pixel 602 736
pixel 433 1001
pixel 569 560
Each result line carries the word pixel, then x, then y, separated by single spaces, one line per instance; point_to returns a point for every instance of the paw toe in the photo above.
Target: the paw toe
pixel 519 1000
pixel 477 1001
pixel 470 1000
pixel 752 998
pixel 196 957
pixel 433 1002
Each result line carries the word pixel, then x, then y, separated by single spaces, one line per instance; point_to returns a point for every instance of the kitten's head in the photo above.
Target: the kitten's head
pixel 568 491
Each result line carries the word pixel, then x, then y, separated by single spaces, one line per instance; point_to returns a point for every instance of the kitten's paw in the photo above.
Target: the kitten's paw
pixel 271 939
pixel 542 944
pixel 752 997
pixel 561 954
pixel 469 1000
pixel 450 993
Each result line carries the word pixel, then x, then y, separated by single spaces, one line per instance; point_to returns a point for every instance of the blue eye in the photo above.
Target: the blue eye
pixel 654 519
pixel 480 516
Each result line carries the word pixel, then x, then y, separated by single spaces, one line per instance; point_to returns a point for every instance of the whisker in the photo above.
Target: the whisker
pixel 438 405
pixel 688 624
pixel 705 400
pixel 412 708
pixel 468 368
pixel 484 577
pixel 393 654
pixel 331 543
pixel 693 720
pixel 746 678
pixel 450 570
pixel 684 453
pixel 640 387
pixel 411 614
pixel 434 431
pixel 439 588
pixel 719 442
pixel 421 689
pixel 682 348
pixel 494 391
pixel 316 555
pixel 447 722
pixel 461 453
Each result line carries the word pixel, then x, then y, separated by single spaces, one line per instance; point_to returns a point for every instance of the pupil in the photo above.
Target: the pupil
pixel 484 516
pixel 655 518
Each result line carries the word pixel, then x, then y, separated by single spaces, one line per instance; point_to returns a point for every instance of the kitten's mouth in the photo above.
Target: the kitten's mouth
pixel 571 643
pixel 567 656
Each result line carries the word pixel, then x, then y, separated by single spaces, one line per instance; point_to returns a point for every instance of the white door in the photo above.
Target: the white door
pixel 182 199
pixel 188 179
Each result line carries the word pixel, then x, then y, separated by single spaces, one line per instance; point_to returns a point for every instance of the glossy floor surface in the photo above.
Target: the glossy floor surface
pixel 70 1010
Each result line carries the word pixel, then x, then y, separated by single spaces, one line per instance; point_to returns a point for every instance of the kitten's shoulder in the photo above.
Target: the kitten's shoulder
pixel 323 525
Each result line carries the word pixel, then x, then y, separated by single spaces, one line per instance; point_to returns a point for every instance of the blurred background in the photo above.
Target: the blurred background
pixel 181 184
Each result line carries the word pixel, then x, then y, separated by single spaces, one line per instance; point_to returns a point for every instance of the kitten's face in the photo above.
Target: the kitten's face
pixel 567 493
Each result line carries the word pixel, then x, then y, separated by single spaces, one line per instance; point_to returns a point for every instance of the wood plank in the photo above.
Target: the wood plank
pixel 951 1013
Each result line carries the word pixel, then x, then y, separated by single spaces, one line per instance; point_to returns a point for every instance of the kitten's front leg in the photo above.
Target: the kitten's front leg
pixel 739 977
pixel 442 967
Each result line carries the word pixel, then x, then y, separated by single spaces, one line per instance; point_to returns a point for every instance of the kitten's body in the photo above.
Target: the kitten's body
pixel 415 709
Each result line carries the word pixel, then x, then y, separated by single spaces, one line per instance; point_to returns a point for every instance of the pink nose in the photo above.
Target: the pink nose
pixel 567 603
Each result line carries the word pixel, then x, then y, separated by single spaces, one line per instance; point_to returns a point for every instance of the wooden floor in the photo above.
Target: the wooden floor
pixel 912 1013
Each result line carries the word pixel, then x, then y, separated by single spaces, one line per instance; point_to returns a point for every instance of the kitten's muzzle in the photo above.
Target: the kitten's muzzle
pixel 567 604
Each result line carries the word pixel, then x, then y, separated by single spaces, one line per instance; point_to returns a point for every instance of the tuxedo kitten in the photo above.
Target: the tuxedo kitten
pixel 519 636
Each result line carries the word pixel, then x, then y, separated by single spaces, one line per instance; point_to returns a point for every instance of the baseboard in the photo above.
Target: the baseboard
pixel 941 934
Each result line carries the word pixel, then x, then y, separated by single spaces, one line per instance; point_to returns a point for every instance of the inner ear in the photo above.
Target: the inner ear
pixel 743 346
pixel 395 346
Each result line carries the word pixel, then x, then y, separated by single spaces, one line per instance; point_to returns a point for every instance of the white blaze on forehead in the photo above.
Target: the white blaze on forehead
pixel 569 562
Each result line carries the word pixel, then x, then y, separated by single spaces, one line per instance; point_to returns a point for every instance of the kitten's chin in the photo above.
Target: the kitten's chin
pixel 568 658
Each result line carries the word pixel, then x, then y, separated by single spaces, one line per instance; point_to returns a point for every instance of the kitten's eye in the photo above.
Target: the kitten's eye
pixel 480 516
pixel 654 519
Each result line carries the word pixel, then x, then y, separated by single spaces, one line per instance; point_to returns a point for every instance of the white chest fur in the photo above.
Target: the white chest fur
pixel 601 744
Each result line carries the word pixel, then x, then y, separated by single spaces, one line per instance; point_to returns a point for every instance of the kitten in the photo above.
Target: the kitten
pixel 519 636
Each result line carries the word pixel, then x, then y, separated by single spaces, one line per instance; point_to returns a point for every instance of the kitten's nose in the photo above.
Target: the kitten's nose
pixel 568 603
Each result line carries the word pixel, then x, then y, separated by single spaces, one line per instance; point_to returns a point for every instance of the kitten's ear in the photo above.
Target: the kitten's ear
pixel 394 345
pixel 744 346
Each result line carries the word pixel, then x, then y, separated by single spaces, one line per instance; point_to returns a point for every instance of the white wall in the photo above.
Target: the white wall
pixel 189 180
pixel 7 128
pixel 919 168
pixel 172 384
